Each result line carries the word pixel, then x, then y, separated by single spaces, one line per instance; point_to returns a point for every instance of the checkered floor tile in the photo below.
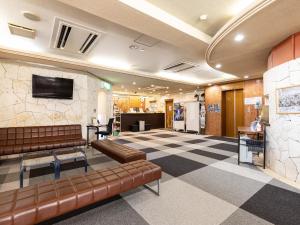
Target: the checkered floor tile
pixel 201 184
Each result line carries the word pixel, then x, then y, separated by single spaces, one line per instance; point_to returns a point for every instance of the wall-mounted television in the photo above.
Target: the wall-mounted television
pixel 52 87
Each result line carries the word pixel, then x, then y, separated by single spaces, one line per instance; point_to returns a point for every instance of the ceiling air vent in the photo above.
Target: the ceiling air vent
pixel 180 66
pixel 21 31
pixel 73 38
pixel 146 40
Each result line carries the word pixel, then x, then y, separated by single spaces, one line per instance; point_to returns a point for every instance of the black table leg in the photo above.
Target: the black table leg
pixel 21 176
pixel 57 169
pixel 88 136
pixel 85 165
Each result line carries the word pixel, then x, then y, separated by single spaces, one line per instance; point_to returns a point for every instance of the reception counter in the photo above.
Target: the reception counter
pixel 157 120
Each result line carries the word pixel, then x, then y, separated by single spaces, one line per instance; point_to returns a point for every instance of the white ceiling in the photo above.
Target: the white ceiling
pixel 120 64
pixel 218 11
pixel 264 26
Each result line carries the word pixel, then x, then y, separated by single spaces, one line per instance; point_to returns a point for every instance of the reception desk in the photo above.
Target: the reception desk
pixel 157 120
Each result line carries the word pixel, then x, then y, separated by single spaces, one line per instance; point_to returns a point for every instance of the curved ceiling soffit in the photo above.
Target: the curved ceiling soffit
pixel 232 24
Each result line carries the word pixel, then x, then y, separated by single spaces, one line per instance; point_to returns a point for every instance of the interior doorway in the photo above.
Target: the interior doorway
pixel 232 112
pixel 169 113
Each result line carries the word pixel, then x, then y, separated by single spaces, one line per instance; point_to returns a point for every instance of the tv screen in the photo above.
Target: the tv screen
pixel 52 87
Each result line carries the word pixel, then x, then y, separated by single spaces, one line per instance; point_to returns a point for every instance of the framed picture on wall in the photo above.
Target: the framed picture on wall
pixel 288 100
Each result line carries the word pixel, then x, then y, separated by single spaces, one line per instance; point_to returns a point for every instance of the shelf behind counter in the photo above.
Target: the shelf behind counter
pixel 157 120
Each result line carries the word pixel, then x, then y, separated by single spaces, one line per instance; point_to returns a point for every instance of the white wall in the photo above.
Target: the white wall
pixel 283 136
pixel 18 108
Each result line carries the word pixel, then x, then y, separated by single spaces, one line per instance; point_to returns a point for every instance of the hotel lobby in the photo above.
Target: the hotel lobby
pixel 150 112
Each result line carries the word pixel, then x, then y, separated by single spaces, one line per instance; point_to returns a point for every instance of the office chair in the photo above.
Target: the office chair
pixel 108 131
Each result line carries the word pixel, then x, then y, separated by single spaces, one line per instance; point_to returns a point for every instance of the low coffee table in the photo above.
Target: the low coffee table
pixel 30 160
pixel 62 155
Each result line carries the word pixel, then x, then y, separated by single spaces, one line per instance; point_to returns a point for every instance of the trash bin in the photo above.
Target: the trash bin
pixel 141 125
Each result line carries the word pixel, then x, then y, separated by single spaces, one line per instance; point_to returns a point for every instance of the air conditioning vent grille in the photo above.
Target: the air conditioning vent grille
pixel 72 38
pixel 180 66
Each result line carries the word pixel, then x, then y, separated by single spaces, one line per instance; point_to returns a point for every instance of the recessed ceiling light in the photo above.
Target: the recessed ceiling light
pixel 246 77
pixel 239 37
pixel 152 85
pixel 209 84
pixel 218 66
pixel 134 83
pixel 142 49
pixel 180 89
pixel 139 88
pixel 203 17
pixel 167 87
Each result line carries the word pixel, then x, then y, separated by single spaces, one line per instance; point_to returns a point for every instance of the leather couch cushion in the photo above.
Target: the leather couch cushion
pixel 37 203
pixel 15 140
pixel 119 152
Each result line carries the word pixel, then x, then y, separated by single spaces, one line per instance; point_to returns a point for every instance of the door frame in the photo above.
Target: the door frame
pixel 166 110
pixel 223 110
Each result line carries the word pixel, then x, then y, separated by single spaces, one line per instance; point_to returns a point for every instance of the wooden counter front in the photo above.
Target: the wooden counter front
pixel 157 120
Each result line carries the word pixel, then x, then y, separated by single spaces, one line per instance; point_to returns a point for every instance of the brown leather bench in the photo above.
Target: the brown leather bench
pixel 118 152
pixel 40 202
pixel 16 140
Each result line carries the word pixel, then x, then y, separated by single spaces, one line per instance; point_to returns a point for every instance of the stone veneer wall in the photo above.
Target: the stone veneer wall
pixel 283 136
pixel 18 108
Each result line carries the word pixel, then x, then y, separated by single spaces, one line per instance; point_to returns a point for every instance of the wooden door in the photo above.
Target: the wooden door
pixel 169 113
pixel 229 113
pixel 239 110
pixel 233 112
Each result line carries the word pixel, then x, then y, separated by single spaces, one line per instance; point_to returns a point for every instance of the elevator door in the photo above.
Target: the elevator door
pixel 234 112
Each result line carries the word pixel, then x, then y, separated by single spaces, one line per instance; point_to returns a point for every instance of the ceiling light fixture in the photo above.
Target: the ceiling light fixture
pixel 152 85
pixel 133 47
pixel 246 76
pixel 142 49
pixel 239 37
pixel 203 17
pixel 218 66
pixel 209 84
pixel 134 83
pixel 31 16
pixel 180 89
pixel 167 88
pixel 139 88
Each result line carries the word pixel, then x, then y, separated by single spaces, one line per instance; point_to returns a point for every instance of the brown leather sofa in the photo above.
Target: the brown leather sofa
pixel 118 152
pixel 15 140
pixel 40 202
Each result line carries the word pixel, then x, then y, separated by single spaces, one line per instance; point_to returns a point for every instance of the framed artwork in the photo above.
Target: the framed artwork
pixel 288 100
pixel 178 112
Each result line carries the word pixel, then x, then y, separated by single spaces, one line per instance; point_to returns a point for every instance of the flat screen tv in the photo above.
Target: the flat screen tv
pixel 52 87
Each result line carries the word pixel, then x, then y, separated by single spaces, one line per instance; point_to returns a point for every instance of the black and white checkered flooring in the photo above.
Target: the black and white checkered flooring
pixel 201 184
